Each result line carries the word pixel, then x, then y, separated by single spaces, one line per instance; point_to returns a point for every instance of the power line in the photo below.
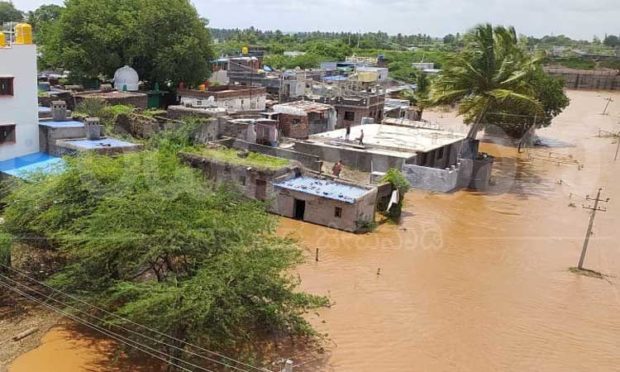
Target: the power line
pixel 112 335
pixel 103 321
pixel 22 273
pixel 99 319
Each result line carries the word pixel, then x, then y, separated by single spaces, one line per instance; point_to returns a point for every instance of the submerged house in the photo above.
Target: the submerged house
pixel 287 188
pixel 328 202
pixel 429 157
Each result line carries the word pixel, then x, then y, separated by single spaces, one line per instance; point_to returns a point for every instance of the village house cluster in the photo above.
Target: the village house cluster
pixel 283 137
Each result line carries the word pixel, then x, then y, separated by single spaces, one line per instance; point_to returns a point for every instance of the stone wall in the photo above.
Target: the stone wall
pixel 586 79
pixel 310 162
pixel 139 100
pixel 243 177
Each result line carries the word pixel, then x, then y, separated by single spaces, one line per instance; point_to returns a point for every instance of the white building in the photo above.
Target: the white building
pixel 381 72
pixel 232 98
pixel 19 129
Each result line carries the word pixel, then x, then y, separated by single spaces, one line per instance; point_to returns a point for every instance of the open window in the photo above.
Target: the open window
pixel 7 134
pixel 349 115
pixel 6 86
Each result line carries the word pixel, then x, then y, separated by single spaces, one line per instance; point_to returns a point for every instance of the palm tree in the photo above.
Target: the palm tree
pixel 491 71
pixel 419 97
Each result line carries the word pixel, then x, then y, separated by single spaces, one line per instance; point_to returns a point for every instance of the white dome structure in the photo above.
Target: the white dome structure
pixel 126 78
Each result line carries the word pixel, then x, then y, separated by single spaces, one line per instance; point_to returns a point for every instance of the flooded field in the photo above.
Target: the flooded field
pixel 468 281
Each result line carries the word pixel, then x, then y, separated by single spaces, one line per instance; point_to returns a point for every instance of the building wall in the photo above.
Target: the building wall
pixel 358 159
pixel 442 157
pixel 308 161
pixel 433 179
pixel 466 173
pixel 48 137
pixel 322 210
pixel 375 112
pixel 579 79
pixel 21 109
pixel 240 103
pixel 294 126
pixel 245 178
pixel 139 100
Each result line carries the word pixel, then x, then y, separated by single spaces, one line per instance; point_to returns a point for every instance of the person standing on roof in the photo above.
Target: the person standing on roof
pixel 361 137
pixel 347 133
pixel 337 168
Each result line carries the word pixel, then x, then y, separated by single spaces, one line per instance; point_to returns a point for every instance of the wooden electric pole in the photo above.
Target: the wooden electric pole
pixel 594 209
pixel 609 100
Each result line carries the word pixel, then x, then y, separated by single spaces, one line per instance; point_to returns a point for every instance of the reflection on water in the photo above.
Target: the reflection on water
pixel 475 281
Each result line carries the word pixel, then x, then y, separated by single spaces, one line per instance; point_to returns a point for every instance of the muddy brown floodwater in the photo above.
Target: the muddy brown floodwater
pixel 473 281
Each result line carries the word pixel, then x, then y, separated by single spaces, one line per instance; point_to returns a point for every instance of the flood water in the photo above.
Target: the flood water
pixel 474 281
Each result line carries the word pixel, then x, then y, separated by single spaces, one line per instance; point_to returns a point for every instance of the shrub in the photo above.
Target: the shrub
pixel 399 182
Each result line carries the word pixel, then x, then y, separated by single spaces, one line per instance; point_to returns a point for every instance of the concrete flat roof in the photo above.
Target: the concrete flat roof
pixel 24 166
pixel 62 124
pixel 324 188
pixel 85 144
pixel 301 107
pixel 405 140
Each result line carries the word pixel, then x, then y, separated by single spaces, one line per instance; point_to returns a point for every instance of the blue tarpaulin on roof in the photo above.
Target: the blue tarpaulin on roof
pixel 24 166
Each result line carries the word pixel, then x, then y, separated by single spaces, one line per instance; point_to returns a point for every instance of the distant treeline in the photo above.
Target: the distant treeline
pixel 366 40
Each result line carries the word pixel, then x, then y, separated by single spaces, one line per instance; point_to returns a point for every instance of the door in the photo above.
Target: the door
pixel 261 190
pixel 300 209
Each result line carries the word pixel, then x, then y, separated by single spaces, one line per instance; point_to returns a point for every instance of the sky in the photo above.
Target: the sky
pixel 578 19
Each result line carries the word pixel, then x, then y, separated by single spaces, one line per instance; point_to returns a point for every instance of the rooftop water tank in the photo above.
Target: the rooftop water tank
pixel 126 78
pixel 23 33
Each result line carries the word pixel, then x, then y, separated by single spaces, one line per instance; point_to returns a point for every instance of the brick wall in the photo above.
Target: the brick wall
pixel 294 126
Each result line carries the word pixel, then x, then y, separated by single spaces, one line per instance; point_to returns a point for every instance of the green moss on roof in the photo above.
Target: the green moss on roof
pixel 252 160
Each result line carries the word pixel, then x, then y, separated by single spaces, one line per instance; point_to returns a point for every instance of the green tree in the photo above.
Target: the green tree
pixel 145 237
pixel 399 182
pixel 612 41
pixel 165 41
pixel 43 15
pixel 491 74
pixel 420 97
pixel 8 12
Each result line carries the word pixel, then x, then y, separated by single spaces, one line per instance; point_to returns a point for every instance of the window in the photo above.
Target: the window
pixel 199 103
pixel 296 121
pixel 338 212
pixel 6 86
pixel 242 180
pixel 440 153
pixel 349 115
pixel 7 134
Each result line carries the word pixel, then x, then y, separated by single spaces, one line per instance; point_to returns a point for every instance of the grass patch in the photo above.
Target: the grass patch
pixel 586 272
pixel 252 159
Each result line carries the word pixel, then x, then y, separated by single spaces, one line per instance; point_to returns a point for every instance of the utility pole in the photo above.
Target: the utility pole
pixel 609 100
pixel 617 146
pixel 594 209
